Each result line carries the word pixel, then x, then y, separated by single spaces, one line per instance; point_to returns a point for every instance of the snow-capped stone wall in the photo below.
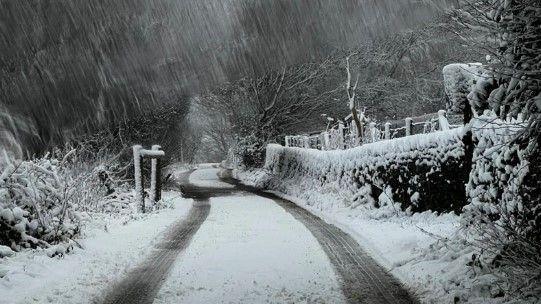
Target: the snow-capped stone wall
pixel 421 172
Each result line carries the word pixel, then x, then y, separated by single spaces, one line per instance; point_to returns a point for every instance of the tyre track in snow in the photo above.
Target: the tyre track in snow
pixel 143 282
pixel 363 280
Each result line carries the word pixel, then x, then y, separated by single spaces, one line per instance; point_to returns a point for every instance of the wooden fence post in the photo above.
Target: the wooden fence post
pixel 138 176
pixel 444 123
pixel 408 126
pixel 327 140
pixel 155 177
pixel 306 142
pixel 287 141
pixel 387 130
pixel 373 131
pixel 341 141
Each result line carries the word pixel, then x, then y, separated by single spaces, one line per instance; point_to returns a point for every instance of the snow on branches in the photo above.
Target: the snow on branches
pixel 45 202
pixel 36 205
pixel 459 80
pixel 509 32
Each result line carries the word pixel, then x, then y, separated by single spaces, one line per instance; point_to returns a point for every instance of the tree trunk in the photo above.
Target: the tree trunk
pixel 358 124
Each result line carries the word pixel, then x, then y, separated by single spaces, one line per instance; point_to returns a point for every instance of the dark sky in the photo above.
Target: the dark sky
pixel 72 65
pixel 233 37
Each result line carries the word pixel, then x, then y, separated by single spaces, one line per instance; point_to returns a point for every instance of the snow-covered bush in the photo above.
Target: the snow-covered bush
pixel 459 80
pixel 504 214
pixel 42 200
pixel 248 152
pixel 37 204
pixel 414 171
pixel 504 189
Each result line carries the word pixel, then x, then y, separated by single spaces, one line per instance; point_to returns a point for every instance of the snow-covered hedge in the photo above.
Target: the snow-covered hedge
pixel 497 192
pixel 504 211
pixel 421 172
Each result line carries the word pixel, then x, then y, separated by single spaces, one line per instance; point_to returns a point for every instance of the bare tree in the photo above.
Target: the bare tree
pixel 352 105
pixel 280 102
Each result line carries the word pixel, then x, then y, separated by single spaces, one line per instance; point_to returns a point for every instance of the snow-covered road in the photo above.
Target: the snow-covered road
pixel 249 250
pixel 257 248
pixel 252 247
pixel 234 244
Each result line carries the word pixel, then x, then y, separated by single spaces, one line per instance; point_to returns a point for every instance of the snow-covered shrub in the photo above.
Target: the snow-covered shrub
pixel 36 206
pixel 504 214
pixel 249 152
pixel 414 171
pixel 459 80
pixel 41 200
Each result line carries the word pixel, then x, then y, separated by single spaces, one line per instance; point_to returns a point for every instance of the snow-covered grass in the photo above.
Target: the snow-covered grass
pixel 250 250
pixel 51 200
pixel 109 249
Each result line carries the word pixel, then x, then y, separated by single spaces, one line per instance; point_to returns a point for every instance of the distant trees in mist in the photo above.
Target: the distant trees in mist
pixel 400 75
pixel 77 67
pixel 70 67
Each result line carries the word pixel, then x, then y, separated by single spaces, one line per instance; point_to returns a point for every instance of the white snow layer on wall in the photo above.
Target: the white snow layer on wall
pixel 352 174
pixel 355 156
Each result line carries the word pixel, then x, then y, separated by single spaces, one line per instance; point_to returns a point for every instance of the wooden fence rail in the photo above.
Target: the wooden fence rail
pixel 342 136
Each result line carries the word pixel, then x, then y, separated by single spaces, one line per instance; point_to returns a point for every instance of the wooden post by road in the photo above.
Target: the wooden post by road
pixel 341 141
pixel 373 130
pixel 155 179
pixel 327 140
pixel 155 176
pixel 138 176
pixel 443 122
pixel 387 130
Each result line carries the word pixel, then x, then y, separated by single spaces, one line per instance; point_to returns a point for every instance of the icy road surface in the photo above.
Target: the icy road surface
pixel 249 250
pixel 245 246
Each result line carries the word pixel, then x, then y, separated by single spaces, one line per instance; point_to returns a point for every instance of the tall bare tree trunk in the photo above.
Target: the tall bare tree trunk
pixel 351 97
pixel 358 124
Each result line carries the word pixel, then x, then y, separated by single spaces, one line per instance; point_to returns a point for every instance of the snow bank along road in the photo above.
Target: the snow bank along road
pixel 241 245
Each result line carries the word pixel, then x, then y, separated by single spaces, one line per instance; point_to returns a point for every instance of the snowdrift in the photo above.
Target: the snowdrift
pixel 421 172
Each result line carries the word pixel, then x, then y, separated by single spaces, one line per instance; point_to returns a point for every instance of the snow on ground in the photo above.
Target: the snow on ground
pixel 177 170
pixel 398 241
pixel 208 165
pixel 249 250
pixel 78 277
pixel 392 240
pixel 207 176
